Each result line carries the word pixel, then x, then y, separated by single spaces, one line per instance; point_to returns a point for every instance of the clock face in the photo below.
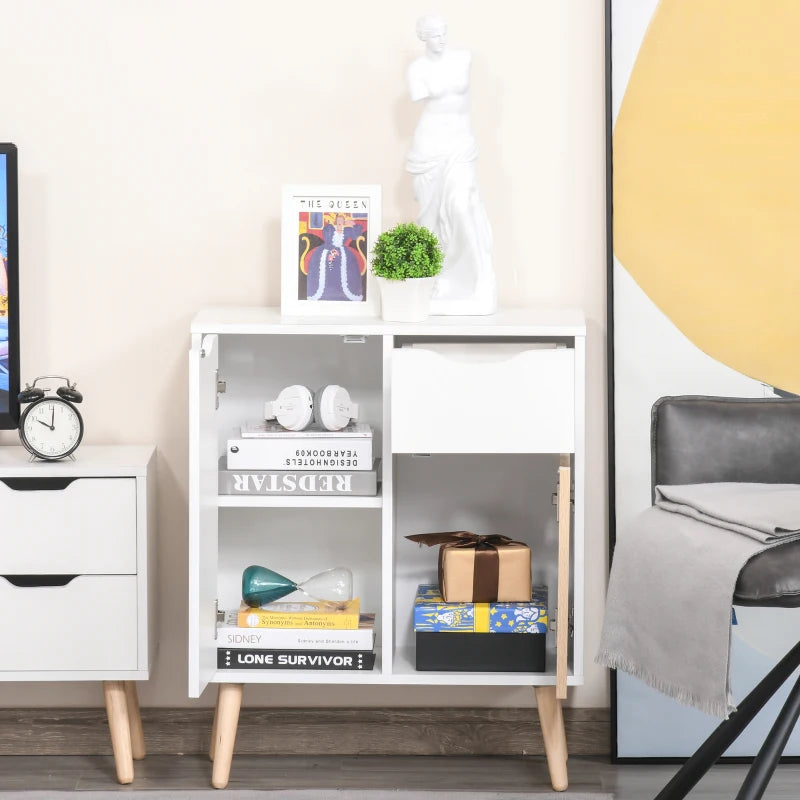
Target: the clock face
pixel 51 428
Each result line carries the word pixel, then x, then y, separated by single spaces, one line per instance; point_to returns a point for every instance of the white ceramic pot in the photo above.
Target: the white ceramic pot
pixel 406 301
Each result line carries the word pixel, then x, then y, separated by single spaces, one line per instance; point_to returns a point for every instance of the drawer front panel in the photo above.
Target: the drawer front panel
pixel 88 624
pixel 483 399
pixel 87 527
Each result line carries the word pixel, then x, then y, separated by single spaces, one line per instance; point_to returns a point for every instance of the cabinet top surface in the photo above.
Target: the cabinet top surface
pixel 506 322
pixel 90 461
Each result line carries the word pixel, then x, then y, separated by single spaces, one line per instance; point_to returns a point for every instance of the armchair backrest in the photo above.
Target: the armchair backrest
pixel 695 439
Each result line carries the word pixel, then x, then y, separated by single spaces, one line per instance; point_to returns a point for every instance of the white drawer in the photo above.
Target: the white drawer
pixel 86 527
pixel 483 398
pixel 89 624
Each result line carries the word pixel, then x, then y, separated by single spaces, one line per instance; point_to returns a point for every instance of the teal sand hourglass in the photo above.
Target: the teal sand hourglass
pixel 261 585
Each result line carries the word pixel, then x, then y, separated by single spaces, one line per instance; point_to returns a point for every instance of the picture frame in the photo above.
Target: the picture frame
pixel 327 235
pixel 660 347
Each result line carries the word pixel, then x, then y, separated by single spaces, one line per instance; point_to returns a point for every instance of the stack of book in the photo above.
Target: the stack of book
pixel 302 635
pixel 480 637
pixel 267 459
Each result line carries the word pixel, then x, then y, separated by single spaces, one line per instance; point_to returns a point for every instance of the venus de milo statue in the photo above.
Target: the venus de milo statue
pixel 442 162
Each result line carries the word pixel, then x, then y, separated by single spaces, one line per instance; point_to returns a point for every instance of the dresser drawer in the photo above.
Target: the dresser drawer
pixel 483 398
pixel 88 624
pixel 83 526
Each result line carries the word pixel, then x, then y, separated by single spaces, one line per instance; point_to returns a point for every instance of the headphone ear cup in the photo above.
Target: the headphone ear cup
pixel 68 393
pixel 294 407
pixel 29 395
pixel 333 408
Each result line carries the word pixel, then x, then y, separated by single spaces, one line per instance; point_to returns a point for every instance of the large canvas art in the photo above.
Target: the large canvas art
pixel 704 274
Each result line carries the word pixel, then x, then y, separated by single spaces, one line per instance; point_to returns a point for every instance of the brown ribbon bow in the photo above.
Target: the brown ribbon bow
pixel 486 571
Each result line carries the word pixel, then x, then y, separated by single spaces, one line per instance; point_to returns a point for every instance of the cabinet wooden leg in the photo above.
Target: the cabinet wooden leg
pixel 213 745
pixel 119 725
pixel 555 741
pixel 135 718
pixel 229 702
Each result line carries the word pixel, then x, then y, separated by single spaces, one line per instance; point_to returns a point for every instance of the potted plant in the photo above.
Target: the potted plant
pixel 406 260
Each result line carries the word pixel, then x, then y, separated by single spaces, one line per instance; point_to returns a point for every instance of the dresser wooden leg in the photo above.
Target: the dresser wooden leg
pixel 119 725
pixel 229 702
pixel 555 741
pixel 135 718
pixel 213 745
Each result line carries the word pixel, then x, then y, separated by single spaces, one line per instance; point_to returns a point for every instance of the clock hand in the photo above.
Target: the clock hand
pixel 52 418
pixel 52 427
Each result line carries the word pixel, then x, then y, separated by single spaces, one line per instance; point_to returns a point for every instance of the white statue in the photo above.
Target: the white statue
pixel 442 161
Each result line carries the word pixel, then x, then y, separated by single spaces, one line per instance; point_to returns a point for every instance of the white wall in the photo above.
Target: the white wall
pixel 154 137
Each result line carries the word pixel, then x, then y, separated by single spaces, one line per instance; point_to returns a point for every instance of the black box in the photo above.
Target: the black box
pixel 480 652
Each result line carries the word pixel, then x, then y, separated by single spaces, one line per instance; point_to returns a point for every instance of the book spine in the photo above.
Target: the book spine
pixel 247 658
pixel 311 455
pixel 261 618
pixel 298 483
pixel 295 639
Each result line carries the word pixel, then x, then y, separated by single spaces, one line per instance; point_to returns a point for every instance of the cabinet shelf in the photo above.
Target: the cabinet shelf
pixel 298 501
pixel 405 672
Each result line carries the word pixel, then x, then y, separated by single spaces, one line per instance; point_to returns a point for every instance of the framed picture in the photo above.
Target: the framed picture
pixel 327 235
pixel 702 280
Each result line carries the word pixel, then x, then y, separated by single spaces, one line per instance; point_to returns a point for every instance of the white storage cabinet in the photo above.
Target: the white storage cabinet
pixel 479 422
pixel 77 576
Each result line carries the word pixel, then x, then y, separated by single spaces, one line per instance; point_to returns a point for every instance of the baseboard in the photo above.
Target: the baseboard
pixel 310 731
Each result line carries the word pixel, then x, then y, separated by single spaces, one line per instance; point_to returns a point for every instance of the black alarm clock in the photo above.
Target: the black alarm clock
pixel 51 427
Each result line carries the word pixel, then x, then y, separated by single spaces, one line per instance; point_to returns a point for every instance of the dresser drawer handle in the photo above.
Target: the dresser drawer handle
pixel 31 581
pixel 37 484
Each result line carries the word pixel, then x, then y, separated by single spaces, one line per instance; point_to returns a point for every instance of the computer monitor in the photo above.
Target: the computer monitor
pixel 9 288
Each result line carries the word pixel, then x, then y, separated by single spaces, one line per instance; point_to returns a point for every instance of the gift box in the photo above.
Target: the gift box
pixel 480 569
pixel 473 637
pixel 433 614
pixel 480 652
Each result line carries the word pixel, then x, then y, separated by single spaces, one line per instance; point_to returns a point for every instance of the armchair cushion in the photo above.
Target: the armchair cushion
pixel 696 439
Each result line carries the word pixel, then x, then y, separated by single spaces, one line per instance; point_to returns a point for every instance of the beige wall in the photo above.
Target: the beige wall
pixel 154 138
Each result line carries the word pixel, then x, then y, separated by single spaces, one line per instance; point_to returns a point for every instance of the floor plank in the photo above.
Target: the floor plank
pixel 431 773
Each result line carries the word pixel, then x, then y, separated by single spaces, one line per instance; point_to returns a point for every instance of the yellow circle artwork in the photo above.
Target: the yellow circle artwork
pixel 707 179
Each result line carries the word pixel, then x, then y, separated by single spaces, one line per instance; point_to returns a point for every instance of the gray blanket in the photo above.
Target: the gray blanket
pixel 675 567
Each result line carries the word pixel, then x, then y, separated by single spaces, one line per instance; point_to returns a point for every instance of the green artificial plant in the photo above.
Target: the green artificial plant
pixel 407 251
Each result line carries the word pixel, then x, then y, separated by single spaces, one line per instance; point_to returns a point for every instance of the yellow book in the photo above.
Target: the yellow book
pixel 312 614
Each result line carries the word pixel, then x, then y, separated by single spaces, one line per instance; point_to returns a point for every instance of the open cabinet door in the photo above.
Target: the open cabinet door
pixel 203 519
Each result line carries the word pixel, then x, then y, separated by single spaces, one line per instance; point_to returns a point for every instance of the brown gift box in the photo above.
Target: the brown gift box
pixel 480 569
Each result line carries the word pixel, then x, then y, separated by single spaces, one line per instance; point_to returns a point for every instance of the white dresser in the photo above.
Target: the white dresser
pixel 77 577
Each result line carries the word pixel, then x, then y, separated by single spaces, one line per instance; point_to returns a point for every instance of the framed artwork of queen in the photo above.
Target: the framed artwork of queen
pixel 327 233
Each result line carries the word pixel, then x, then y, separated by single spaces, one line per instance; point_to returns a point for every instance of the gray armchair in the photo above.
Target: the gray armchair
pixel 719 439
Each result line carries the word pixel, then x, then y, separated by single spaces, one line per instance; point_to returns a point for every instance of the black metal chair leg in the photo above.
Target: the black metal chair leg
pixel 760 773
pixel 726 733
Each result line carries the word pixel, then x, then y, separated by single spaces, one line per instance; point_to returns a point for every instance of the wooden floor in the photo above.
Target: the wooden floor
pixel 497 773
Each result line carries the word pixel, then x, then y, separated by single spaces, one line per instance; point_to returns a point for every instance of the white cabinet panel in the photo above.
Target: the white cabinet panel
pixel 203 522
pixel 88 624
pixel 479 398
pixel 86 527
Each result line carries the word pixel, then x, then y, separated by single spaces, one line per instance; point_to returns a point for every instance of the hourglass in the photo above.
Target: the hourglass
pixel 261 585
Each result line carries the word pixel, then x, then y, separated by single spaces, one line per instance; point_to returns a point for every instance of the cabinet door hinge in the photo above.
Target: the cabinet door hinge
pixel 222 387
pixel 570 621
pixel 554 500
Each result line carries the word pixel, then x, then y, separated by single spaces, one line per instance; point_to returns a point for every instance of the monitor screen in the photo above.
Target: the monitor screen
pixel 9 295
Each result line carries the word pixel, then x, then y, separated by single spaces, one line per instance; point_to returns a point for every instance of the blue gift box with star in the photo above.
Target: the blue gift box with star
pixel 431 613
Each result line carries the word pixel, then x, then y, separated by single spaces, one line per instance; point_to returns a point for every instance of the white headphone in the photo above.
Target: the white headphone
pixel 296 407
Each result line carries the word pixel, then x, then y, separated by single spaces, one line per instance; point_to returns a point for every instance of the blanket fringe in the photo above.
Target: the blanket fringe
pixel 712 707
